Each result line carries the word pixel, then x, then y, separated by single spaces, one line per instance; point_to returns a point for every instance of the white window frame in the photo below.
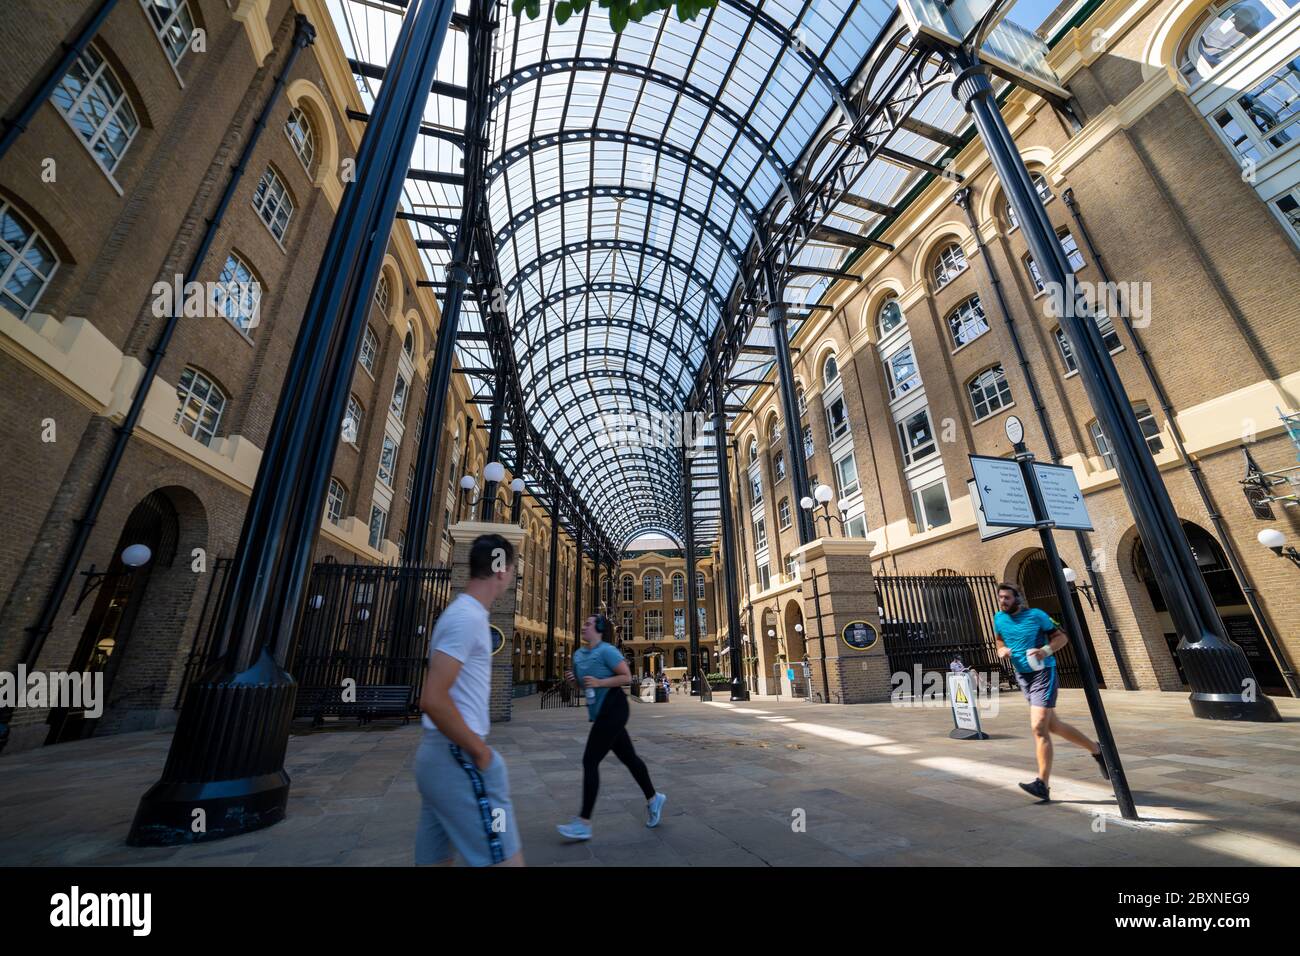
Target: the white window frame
pixel 357 412
pixel 301 133
pixel 923 522
pixel 336 500
pixel 174 56
pixel 387 461
pixel 965 312
pixel 19 259
pixel 987 387
pixel 679 586
pixel 949 263
pixel 233 307
pixel 846 491
pixel 119 108
pixel 369 349
pixel 186 394
pixel 376 538
pixel 270 199
pixel 909 458
pixel 783 513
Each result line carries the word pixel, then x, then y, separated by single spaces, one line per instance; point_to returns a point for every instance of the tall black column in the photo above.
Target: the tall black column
pixel 789 403
pixel 577 586
pixel 517 497
pixel 688 533
pixel 551 589
pixel 729 555
pixel 1223 686
pixel 225 767
pixel 489 508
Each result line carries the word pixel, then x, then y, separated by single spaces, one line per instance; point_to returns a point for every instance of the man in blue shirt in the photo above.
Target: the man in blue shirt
pixel 1031 639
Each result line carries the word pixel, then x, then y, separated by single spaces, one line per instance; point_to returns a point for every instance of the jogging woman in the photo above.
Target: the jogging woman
pixel 601 673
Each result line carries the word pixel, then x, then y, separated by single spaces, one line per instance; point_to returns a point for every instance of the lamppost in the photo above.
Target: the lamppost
pixel 1275 541
pixel 823 494
pixel 517 490
pixel 1071 579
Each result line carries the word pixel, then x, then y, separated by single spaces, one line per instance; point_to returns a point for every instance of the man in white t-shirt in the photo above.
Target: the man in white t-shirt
pixel 463 781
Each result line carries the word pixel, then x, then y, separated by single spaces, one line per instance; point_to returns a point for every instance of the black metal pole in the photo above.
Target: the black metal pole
pixel 729 556
pixel 517 497
pixel 550 591
pixel 962 198
pixel 1073 630
pixel 226 762
pixel 1223 686
pixel 577 585
pixel 688 534
pixel 789 400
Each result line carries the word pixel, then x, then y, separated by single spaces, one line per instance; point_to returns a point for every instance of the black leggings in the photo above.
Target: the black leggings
pixel 609 732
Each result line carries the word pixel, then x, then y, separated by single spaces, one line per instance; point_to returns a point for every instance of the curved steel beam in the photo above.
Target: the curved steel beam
pixel 670 399
pixel 649 196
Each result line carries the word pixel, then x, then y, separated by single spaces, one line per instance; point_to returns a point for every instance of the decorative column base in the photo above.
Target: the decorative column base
pixel 844 593
pixel 225 771
pixel 1228 688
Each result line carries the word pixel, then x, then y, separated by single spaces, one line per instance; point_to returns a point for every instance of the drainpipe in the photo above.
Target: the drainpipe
pixel 304 35
pixel 962 199
pixel 1193 465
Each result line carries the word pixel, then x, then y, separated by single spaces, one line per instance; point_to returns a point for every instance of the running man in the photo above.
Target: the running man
pixel 463 783
pixel 1028 636
pixel 599 669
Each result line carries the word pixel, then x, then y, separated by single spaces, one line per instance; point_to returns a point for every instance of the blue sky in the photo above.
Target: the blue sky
pixel 1031 13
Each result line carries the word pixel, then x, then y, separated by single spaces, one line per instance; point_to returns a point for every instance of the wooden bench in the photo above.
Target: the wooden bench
pixel 372 700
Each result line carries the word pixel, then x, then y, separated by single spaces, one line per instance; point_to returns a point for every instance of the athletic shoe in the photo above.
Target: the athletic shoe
pixel 654 809
pixel 577 830
pixel 1037 789
pixel 1101 765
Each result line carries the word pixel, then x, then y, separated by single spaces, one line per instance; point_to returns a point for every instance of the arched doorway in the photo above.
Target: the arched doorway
pixel 153 524
pixel 796 641
pixel 679 657
pixel 1228 601
pixel 1040 592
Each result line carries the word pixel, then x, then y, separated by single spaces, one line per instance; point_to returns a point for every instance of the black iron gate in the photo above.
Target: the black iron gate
pixel 367 622
pixel 930 620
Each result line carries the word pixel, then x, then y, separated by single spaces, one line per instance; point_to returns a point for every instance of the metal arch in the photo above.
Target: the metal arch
pixel 538 71
pixel 664 530
pixel 623 245
pixel 530 148
pixel 627 192
pixel 671 399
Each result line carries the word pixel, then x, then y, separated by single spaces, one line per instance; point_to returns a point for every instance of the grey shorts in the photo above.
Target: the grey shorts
pixel 464 809
pixel 1040 687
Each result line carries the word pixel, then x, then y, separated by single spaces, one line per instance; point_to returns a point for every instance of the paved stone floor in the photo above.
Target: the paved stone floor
pixel 872 784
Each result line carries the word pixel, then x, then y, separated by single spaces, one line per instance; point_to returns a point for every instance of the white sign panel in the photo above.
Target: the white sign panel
pixel 1061 496
pixel 961 695
pixel 985 532
pixel 1002 492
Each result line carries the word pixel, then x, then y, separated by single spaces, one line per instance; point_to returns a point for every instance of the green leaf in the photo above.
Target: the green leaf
pixel 618 18
pixel 517 6
pixel 634 11
pixel 562 12
pixel 534 8
pixel 579 5
pixel 684 10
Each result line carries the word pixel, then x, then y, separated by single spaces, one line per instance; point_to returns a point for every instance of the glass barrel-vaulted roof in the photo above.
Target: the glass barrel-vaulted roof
pixel 627 176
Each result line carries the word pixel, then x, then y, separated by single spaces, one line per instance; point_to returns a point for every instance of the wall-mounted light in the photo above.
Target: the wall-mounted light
pixel 1275 541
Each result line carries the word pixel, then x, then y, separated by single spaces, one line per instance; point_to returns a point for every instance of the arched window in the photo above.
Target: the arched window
pixel 273 204
pixel 830 370
pixel 699 584
pixel 778 465
pixel 173 23
pixel 382 295
pixel 238 294
pixel 400 389
pixel 774 433
pixel 369 348
pixel 1044 194
pixel 783 512
pixel 95 104
pixel 753 450
pixel 627 587
pixel 201 405
pixel 948 264
pixel 408 344
pixel 1224 27
pixel 989 391
pixel 802 400
pixel 336 501
pixel 679 587
pixel 387 461
pixel 301 136
pixel 890 316
pixel 352 420
pixel 26 263
pixel 967 321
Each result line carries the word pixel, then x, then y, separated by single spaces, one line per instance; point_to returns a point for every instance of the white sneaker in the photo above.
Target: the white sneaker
pixel 577 830
pixel 654 809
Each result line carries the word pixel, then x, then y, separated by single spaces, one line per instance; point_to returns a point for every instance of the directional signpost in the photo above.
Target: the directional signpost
pixel 1019 493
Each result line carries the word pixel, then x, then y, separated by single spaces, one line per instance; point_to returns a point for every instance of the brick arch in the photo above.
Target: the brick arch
pixel 309 98
pixel 934 239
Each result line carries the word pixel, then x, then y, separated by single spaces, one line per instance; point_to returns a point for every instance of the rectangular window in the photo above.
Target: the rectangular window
pixel 679 623
pixel 387 461
pixel 755 490
pixel 901 372
pixel 410 481
pixel 807 441
pixel 378 526
pixel 335 502
pixel 846 475
pixel 764 577
pixel 702 616
pixel 699 584
pixel 837 418
pixel 627 625
pixel 760 534
pixel 856 527
pixel 916 437
pixel 1072 256
pixel 654 625
pixel 400 388
pixel 174 25
pixel 1150 431
pixel 931 506
pixel 369 346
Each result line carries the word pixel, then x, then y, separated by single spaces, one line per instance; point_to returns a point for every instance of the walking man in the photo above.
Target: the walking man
pixel 463 783
pixel 601 673
pixel 1031 639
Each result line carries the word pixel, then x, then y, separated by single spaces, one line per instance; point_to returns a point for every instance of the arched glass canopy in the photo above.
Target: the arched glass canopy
pixel 633 184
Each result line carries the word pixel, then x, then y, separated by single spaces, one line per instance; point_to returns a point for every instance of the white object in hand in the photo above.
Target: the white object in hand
pixel 1035 662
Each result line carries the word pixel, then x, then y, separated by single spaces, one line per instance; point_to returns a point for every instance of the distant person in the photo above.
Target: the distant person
pixel 464 789
pixel 600 670
pixel 1031 639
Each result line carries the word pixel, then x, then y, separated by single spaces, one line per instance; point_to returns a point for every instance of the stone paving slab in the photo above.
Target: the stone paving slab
pixel 764 783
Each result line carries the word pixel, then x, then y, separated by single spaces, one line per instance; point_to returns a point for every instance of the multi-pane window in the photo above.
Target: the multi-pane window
pixel 652 587
pixel 679 623
pixel 755 491
pixel 837 418
pixel 1072 256
pixel 702 616
pixel 369 346
pixel 387 461
pixel 931 506
pixel 654 625
pixel 830 371
pixel 1228 26
pixel 408 344
pixel 26 263
pixel 901 372
pixel 783 512
pixel 791 566
pixel 846 475
pixel 273 205
pixel 627 624
pixel 201 405
pixel 856 527
pixel 398 405
pixel 948 264
pixel 382 295
pixel 410 482
pixel 1109 338
pixel 335 501
pixel 802 400
pixel 753 450
pixel 352 420
pixel 989 391
pixel 967 322
pixel 807 441
pixel 778 465
pixel 679 587
pixel 627 587
pixel 1150 431
pixel 1044 194
pixel 301 136
pixel 378 526
pixel 174 24
pixel 760 534
pixel 93 101
pixel 764 577
pixel 916 437
pixel 890 316
pixel 238 294
pixel 699 584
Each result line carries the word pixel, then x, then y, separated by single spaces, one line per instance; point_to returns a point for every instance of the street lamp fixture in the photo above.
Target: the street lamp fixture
pixel 1275 541
pixel 1071 578
pixel 133 556
pixel 823 494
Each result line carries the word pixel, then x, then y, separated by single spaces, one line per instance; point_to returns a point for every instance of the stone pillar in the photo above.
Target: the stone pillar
pixel 838 588
pixel 502 614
